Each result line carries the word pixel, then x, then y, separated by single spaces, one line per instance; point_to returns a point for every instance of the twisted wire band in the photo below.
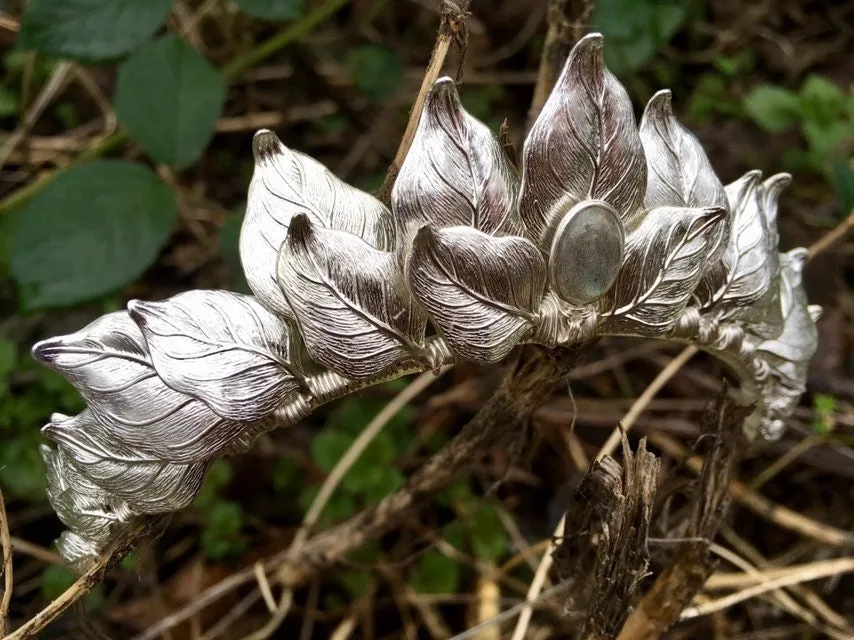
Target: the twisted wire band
pixel 612 229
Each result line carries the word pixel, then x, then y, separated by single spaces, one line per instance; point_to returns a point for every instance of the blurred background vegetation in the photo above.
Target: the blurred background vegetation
pixel 125 130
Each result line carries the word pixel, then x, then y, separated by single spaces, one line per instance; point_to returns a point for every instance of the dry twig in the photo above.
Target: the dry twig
pixel 452 29
pixel 566 22
pixel 692 564
pixel 813 571
pixel 93 576
pixel 8 577
pixel 625 424
pixel 531 379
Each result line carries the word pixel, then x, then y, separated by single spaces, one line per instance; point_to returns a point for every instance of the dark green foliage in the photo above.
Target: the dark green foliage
pixel 169 97
pixel 90 30
pixel 272 9
pixel 94 229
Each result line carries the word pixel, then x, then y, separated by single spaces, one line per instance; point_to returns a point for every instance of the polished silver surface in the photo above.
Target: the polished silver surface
pixel 613 229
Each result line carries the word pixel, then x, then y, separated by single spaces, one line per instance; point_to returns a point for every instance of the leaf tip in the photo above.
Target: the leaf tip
pixel 660 104
pixel 707 218
pixel 53 429
pixel 798 258
pixel 137 312
pixel 443 99
pixel 44 350
pixel 815 311
pixel 425 237
pixel 776 183
pixel 265 145
pixel 300 229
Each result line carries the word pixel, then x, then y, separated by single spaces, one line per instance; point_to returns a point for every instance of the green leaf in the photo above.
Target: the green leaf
pixel 221 538
pixel 385 482
pixel 354 414
pixel 340 506
pixel 96 228
pixel 8 360
pixel 377 72
pixel 489 540
pixel 328 446
pixel 636 29
pixel 822 100
pixel 843 183
pixel 55 580
pixel 773 108
pixel 435 573
pixel 218 477
pixel 21 470
pixel 272 9
pixel 824 407
pixel 8 103
pixel 90 30
pixel 169 98
pixel 288 478
pixel 355 581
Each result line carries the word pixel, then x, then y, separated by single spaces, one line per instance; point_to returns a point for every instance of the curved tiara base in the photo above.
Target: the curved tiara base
pixel 607 229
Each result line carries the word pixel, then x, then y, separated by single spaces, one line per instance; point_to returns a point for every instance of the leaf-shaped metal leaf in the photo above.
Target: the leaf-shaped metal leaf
pixel 108 362
pixel 790 352
pixel 77 552
pixel 454 174
pixel 584 145
pixel 665 258
pixel 223 348
pixel 679 174
pixel 748 263
pixel 771 190
pixel 287 183
pixel 481 292
pixel 82 506
pixel 146 483
pixel 353 309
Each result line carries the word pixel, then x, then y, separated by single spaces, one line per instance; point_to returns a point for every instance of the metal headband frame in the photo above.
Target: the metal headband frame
pixel 612 230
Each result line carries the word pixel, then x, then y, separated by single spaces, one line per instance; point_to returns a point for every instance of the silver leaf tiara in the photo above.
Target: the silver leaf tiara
pixel 612 230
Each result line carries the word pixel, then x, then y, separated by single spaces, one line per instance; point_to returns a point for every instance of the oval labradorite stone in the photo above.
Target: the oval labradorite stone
pixel 587 252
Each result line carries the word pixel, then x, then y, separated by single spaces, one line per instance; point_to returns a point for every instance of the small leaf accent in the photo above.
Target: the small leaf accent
pixel 679 174
pixel 108 362
pixel 749 264
pixel 583 145
pixel 80 504
pixel 287 183
pixel 771 190
pixel 146 483
pixel 789 353
pixel 77 552
pixel 481 292
pixel 665 259
pixel 351 304
pixel 455 173
pixel 223 348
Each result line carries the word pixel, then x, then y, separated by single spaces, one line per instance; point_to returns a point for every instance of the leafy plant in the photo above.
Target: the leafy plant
pixel 97 227
pixel 637 29
pixel 222 537
pixel 90 30
pixel 272 9
pixel 169 98
pixel 825 407
pixel 820 110
pixel 377 72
